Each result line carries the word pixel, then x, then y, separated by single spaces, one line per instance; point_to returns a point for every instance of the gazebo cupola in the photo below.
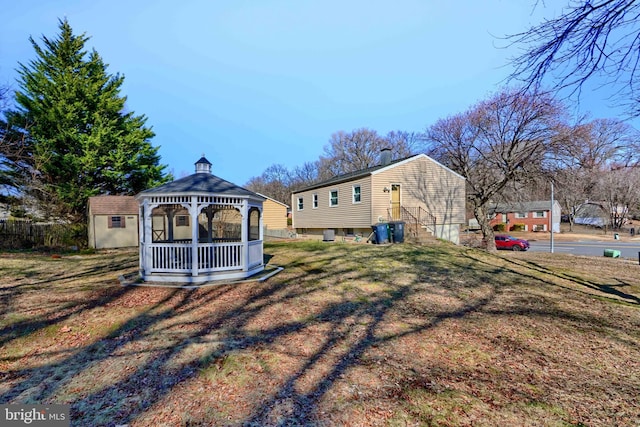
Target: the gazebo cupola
pixel 203 165
pixel 200 228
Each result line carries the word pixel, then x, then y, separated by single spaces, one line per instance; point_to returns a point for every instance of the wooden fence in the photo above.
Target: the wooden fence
pixel 27 235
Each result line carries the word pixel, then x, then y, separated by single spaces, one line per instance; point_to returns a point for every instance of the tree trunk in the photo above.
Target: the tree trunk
pixel 488 241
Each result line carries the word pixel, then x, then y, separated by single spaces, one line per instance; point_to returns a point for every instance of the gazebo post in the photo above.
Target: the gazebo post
pixel 261 225
pixel 141 232
pixel 193 214
pixel 170 215
pixel 147 236
pixel 245 235
pixel 209 224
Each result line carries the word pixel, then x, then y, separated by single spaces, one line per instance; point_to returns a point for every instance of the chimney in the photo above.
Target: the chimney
pixel 385 156
pixel 203 165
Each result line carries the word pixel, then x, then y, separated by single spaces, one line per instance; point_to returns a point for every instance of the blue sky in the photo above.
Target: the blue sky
pixel 255 83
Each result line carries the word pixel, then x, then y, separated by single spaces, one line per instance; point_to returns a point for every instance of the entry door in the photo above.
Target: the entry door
pixel 395 202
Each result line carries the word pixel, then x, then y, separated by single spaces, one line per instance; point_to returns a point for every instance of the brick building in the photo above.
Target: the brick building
pixel 535 216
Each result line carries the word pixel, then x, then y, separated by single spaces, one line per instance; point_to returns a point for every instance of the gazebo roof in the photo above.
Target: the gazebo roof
pixel 201 183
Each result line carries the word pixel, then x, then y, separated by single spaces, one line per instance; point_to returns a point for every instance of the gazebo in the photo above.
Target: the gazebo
pixel 200 228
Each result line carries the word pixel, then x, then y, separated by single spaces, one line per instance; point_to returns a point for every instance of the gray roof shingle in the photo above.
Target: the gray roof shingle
pixel 351 175
pixel 201 183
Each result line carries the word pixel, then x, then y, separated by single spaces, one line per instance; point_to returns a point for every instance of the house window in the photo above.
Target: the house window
pixel 300 203
pixel 333 198
pixel 540 227
pixel 116 221
pixel 356 194
pixel 315 201
pixel 521 215
pixel 182 220
pixel 540 214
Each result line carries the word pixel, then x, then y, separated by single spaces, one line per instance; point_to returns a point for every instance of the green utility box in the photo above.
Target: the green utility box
pixel 612 253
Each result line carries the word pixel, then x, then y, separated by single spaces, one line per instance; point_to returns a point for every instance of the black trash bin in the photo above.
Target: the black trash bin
pixel 380 233
pixel 396 231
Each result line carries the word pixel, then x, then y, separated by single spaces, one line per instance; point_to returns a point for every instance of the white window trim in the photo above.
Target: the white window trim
pixel 353 194
pixel 300 201
pixel 331 205
pixel 517 215
pixel 314 201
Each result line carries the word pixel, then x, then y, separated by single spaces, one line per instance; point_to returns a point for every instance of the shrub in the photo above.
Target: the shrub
pixel 500 227
pixel 517 227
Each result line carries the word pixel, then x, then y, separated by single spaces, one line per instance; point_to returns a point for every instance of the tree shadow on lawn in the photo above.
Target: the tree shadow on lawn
pixel 100 294
pixel 611 290
pixel 151 379
pixel 223 319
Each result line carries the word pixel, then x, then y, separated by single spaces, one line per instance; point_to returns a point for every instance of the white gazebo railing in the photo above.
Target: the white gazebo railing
pixel 213 257
pixel 170 258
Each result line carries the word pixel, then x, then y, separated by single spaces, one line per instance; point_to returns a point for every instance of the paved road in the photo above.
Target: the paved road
pixel 588 247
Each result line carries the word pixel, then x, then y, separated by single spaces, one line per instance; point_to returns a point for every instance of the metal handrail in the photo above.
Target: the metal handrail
pixel 416 216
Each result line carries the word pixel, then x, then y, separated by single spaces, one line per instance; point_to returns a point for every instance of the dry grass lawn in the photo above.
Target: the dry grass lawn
pixel 347 334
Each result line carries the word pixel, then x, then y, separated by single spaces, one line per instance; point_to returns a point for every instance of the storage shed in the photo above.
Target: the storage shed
pixel 113 222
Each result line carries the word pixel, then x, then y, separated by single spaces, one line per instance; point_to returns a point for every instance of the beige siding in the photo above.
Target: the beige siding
pixel 423 183
pixel 345 215
pixel 102 237
pixel 180 232
pixel 318 233
pixel 274 215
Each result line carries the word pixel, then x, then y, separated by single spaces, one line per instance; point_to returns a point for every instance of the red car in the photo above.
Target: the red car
pixel 511 243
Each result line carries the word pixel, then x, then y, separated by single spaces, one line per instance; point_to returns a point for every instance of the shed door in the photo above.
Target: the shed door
pixel 395 202
pixel 158 229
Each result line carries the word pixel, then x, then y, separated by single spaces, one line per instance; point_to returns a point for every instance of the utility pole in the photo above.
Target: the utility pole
pixel 551 217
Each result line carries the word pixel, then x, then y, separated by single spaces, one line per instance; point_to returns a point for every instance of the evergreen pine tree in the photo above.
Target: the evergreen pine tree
pixel 82 140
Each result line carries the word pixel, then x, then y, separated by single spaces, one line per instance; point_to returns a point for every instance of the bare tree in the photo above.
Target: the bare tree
pixel 585 154
pixel 590 39
pixel 605 143
pixel 360 149
pixel 497 142
pixel 4 98
pixel 618 190
pixel 305 175
pixel 406 143
pixel 275 182
pixel 14 155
